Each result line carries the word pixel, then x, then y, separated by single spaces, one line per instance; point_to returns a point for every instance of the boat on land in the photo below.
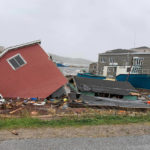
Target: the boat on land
pixel 89 75
pixel 140 81
pixel 60 65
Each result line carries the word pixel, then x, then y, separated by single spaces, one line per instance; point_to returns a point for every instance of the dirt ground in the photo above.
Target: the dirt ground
pixel 85 131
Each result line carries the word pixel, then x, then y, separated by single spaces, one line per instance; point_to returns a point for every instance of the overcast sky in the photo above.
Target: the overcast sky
pixel 76 28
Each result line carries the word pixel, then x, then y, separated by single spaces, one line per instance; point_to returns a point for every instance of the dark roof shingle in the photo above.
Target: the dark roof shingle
pixel 104 86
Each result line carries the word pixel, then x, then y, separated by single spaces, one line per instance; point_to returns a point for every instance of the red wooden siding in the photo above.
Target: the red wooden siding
pixel 38 78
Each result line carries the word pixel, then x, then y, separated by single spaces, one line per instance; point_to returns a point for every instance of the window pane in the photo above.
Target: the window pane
pixel 14 63
pixel 19 60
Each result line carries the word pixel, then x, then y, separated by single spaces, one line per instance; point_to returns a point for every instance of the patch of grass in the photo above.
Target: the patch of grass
pixel 28 122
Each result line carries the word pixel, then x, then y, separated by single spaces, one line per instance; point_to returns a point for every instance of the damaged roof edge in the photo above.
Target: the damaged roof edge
pixel 19 46
pixel 103 86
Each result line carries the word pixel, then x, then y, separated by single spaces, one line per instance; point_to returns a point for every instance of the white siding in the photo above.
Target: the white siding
pixel 105 71
pixel 122 70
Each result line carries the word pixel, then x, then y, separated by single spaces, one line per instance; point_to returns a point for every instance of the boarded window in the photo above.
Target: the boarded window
pixel 16 61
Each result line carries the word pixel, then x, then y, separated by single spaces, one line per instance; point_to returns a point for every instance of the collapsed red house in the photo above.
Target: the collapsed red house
pixel 26 71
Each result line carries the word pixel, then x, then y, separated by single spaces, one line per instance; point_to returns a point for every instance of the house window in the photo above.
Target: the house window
pixel 16 61
pixel 102 60
pixel 101 70
pixel 111 60
pixel 138 61
pixel 94 67
pixel 109 69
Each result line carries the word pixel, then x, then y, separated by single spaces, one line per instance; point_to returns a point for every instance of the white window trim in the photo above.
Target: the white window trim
pixel 138 61
pixel 19 65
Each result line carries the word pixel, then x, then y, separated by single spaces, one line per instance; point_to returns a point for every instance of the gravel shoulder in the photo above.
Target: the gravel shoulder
pixel 109 143
pixel 74 132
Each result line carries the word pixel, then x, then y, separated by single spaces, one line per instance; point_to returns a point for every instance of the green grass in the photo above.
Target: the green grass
pixel 28 122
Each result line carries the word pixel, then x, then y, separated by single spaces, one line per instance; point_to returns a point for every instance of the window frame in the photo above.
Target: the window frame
pixel 138 61
pixel 18 54
pixel 103 59
pixel 111 60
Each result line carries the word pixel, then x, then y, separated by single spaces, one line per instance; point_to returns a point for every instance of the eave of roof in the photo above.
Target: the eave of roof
pixel 19 46
pixel 133 53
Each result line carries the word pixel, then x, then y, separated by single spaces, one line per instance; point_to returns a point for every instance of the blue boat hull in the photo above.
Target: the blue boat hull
pixel 141 81
pixel 137 80
pixel 60 65
pixel 88 75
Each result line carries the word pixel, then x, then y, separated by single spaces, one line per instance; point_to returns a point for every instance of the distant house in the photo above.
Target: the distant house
pixel 26 71
pixel 124 61
pixel 93 68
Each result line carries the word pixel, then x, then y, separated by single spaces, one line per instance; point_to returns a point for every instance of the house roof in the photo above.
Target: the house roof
pixel 103 86
pixel 138 50
pixel 19 46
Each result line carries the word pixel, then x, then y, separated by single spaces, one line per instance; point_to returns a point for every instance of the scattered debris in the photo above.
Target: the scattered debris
pixel 14 132
pixel 40 104
pixel 34 113
pixel 89 92
pixel 42 89
pixel 2 100
pixel 12 112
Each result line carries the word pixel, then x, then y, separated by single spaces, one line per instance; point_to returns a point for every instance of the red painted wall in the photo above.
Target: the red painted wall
pixel 38 78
